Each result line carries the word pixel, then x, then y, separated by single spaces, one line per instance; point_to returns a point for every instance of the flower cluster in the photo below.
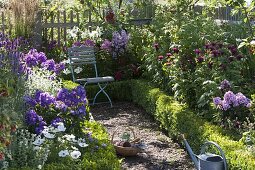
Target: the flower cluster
pixel 33 119
pixel 119 41
pixel 39 59
pixel 231 100
pixel 67 102
pixel 68 141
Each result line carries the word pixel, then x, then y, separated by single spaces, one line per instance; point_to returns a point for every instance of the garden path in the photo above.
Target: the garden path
pixel 161 152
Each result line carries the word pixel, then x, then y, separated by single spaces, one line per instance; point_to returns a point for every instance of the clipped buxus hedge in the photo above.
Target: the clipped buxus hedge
pixel 177 119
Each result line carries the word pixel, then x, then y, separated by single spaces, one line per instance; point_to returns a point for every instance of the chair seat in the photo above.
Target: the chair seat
pixel 96 80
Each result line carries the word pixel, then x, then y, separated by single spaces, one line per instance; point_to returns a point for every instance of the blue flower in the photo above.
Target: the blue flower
pixel 31 117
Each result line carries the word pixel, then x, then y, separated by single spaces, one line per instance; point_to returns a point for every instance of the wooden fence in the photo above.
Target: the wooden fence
pixel 55 26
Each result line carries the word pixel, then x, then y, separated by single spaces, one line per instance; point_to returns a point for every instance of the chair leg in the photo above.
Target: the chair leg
pixel 102 90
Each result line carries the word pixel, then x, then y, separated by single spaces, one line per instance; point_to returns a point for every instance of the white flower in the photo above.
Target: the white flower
pixel 66 71
pixel 63 153
pixel 85 34
pixel 74 148
pixel 38 141
pixel 49 135
pixel 61 127
pixel 78 70
pixel 5 164
pixel 39 167
pixel 36 148
pixel 70 138
pixel 83 145
pixel 252 42
pixel 75 154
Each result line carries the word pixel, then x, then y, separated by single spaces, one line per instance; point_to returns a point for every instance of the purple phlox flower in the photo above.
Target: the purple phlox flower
pixel 59 67
pixel 225 84
pixel 39 129
pixel 215 53
pixel 30 101
pixel 80 91
pixel 30 60
pixel 217 101
pixel 230 97
pixel 197 51
pixel 31 117
pixel 77 44
pixel 82 110
pixel 74 112
pixel 41 57
pixel 89 43
pixel 46 99
pixel 61 106
pixel 62 94
pixel 52 45
pixel 55 122
pixel 120 41
pixel 49 65
pixel 106 45
pixel 242 100
pixel 225 105
pixel 200 59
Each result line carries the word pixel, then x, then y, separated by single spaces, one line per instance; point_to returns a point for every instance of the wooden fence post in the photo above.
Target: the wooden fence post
pixel 37 38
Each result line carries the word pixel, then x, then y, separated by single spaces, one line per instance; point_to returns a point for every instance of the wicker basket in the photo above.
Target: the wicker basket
pixel 126 151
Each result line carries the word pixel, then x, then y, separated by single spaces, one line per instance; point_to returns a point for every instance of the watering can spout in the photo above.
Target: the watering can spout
pixel 192 155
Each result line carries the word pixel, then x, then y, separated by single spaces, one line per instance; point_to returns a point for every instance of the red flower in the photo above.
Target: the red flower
pixel 110 16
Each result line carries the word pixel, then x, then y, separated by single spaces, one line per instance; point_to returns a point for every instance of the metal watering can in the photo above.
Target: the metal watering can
pixel 207 161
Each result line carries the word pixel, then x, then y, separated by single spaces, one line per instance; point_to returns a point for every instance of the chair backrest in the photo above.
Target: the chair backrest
pixel 80 56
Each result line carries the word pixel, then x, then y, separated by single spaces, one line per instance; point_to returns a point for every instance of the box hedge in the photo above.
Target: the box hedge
pixel 177 118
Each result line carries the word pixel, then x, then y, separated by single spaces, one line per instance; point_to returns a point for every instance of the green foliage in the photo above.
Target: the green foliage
pixel 118 91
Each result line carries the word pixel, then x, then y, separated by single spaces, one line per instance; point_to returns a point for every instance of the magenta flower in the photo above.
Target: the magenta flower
pixel 197 51
pixel 175 50
pixel 160 58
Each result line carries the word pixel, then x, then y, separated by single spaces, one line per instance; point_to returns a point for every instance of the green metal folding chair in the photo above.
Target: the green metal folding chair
pixel 80 56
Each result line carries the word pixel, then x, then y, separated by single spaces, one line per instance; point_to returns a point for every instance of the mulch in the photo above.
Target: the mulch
pixel 161 152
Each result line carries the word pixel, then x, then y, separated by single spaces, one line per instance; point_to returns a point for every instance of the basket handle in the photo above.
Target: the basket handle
pixel 116 129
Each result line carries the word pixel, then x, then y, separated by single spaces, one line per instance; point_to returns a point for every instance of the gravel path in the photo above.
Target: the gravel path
pixel 161 152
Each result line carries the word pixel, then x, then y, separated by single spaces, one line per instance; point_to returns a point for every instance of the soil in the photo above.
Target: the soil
pixel 160 153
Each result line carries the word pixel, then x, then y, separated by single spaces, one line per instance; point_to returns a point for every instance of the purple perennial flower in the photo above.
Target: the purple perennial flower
pixel 49 65
pixel 106 45
pixel 225 84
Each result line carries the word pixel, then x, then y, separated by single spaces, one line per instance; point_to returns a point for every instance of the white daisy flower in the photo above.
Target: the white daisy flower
pixel 49 135
pixel 38 141
pixel 75 154
pixel 78 70
pixel 63 153
pixel 61 127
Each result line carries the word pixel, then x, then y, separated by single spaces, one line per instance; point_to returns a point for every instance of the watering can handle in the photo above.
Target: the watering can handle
pixel 218 147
